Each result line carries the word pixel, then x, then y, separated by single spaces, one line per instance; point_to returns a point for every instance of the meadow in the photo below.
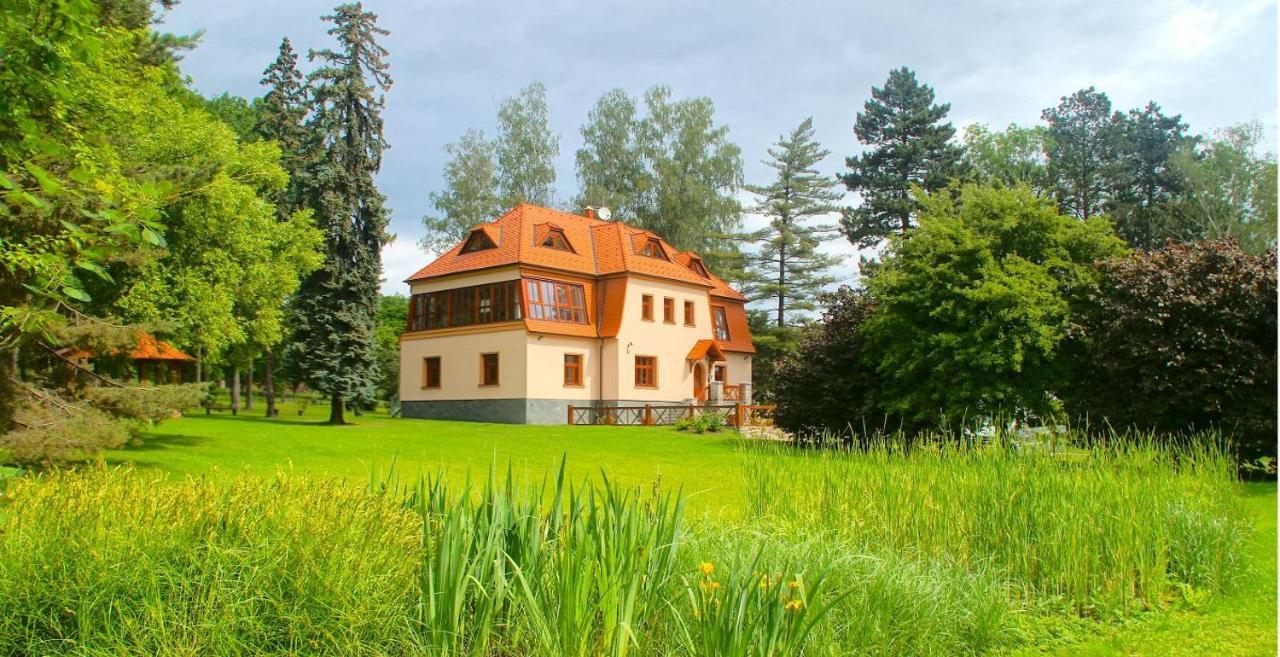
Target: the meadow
pixel 223 535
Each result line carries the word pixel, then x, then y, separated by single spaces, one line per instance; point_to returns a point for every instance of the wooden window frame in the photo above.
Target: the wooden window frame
pixel 556 239
pixel 574 301
pixel 668 310
pixel 646 307
pixel 690 313
pixel 653 249
pixel 717 327
pixel 724 369
pixel 576 368
pixel 652 368
pixel 488 303
pixel 426 372
pixel 478 240
pixel 497 370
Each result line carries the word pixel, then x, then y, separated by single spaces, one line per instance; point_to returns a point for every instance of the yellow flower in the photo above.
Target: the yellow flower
pixel 793 585
pixel 707 568
pixel 715 585
pixel 794 605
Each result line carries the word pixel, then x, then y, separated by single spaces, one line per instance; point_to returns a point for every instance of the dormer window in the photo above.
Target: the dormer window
pixel 653 249
pixel 696 265
pixel 478 241
pixel 555 239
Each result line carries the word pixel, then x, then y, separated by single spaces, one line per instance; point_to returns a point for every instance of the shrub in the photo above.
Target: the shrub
pixel 701 422
pixel 830 383
pixel 1181 338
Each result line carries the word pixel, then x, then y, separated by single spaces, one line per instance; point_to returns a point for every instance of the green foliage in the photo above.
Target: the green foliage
pixel 1009 158
pixel 526 149
pixel 974 304
pixel 1146 181
pixel 787 268
pixel 471 194
pixel 671 170
pixel 909 145
pixel 333 314
pixel 1229 190
pixel 392 311
pixel 773 345
pixel 1182 338
pixel 701 422
pixel 237 113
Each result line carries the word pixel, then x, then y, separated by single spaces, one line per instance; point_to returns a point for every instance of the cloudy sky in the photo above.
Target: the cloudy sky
pixel 767 65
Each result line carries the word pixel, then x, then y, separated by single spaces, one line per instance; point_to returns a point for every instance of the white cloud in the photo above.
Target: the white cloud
pixel 400 259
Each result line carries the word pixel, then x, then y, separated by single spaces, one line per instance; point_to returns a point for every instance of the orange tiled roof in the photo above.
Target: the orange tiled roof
pixel 739 329
pixel 599 248
pixel 149 348
pixel 702 348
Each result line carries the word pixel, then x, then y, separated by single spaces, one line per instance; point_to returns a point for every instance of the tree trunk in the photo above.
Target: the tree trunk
pixel 235 389
pixel 199 364
pixel 248 389
pixel 335 410
pixel 269 386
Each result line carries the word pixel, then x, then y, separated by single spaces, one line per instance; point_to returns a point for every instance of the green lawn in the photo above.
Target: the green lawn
pixel 708 468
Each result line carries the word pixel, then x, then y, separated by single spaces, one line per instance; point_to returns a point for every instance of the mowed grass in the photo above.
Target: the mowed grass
pixel 929 557
pixel 707 467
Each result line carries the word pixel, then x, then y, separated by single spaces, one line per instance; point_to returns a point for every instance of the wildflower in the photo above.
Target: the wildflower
pixel 794 605
pixel 715 585
pixel 793 584
pixel 707 568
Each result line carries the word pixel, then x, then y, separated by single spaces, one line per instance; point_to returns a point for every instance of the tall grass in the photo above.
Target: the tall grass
pixel 1118 527
pixel 937 550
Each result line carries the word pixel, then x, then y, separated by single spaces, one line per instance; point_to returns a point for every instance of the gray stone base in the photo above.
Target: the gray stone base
pixel 507 411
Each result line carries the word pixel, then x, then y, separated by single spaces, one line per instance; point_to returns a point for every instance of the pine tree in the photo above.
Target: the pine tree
pixel 335 311
pixel 910 145
pixel 1082 141
pixel 788 267
pixel 526 149
pixel 470 196
pixel 1146 183
pixel 282 114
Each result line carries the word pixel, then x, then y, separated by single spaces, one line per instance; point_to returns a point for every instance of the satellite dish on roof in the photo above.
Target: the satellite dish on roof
pixel 604 213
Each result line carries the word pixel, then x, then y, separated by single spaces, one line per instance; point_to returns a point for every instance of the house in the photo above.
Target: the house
pixel 541 309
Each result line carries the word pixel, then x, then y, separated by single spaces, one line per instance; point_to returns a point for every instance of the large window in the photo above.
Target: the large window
pixel 464 306
pixel 554 301
pixel 488 369
pixel 646 371
pixel 722 323
pixel 573 369
pixel 431 372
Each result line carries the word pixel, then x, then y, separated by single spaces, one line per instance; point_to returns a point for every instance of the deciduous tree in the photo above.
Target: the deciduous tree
pixel 526 149
pixel 470 196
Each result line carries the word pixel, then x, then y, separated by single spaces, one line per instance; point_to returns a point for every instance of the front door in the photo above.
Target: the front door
pixel 699 381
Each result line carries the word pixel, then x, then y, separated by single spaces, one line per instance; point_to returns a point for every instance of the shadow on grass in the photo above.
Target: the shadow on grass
pixel 282 420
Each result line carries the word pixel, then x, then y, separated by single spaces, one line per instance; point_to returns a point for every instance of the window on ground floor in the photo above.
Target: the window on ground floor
pixel 573 369
pixel 488 369
pixel 646 371
pixel 431 372
pixel 720 373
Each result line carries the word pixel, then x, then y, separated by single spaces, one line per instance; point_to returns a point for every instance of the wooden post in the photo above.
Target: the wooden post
pixel 570 413
pixel 648 415
pixel 737 415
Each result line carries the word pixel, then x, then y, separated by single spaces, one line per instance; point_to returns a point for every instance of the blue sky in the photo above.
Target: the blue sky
pixel 767 65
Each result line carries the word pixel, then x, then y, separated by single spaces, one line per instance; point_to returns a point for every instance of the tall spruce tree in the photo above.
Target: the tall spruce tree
pixel 336 309
pixel 788 268
pixel 281 115
pixel 526 149
pixel 470 196
pixel 909 145
pixel 1082 144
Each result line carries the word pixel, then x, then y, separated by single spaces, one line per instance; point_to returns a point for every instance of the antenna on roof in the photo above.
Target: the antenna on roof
pixel 604 213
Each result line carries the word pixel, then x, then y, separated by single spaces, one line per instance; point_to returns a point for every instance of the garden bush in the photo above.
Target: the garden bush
pixel 1179 339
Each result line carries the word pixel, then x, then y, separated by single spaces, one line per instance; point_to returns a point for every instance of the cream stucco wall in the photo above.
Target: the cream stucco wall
pixel 546 367
pixel 670 343
pixel 464 280
pixel 460 365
